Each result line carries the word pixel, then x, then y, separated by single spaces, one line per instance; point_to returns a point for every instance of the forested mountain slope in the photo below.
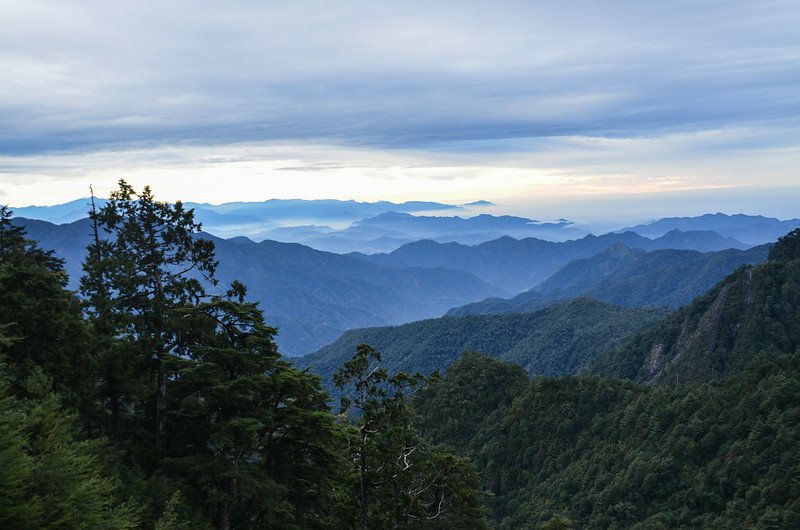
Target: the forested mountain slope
pixel 311 296
pixel 561 339
pixel 755 309
pixel 583 452
pixel 516 265
pixel 628 277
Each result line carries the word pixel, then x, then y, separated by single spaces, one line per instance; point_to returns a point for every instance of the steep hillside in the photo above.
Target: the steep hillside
pixel 628 277
pixel 516 265
pixel 755 309
pixel 311 296
pixel 561 339
pixel 584 452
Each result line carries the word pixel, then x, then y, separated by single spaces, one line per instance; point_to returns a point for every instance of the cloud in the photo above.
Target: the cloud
pixel 517 101
pixel 95 75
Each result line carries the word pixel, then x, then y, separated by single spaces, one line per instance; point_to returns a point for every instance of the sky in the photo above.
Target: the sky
pixel 587 110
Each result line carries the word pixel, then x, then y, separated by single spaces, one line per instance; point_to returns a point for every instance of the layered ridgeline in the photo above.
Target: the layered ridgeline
pixel 755 309
pixel 628 277
pixel 516 265
pixel 561 339
pixel 311 296
pixel 344 226
pixel 719 450
pixel 749 229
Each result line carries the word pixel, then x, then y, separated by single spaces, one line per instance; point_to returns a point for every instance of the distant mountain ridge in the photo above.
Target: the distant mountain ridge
pixel 628 277
pixel 342 226
pixel 272 210
pixel 311 296
pixel 749 229
pixel 517 265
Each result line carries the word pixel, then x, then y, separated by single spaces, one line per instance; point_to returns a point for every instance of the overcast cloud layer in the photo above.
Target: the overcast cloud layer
pixel 399 100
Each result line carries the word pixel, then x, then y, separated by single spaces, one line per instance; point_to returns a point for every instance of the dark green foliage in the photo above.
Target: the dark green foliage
pixel 593 453
pixel 135 280
pixel 491 385
pixel 251 435
pixel 559 340
pixel 755 309
pixel 189 417
pixel 787 248
pixel 35 309
pixel 400 478
pixel 49 478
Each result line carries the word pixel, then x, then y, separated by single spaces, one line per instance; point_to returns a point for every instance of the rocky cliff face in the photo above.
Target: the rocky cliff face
pixel 754 309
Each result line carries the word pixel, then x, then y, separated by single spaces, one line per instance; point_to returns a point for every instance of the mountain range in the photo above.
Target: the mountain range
pixel 749 229
pixel 310 295
pixel 342 226
pixel 273 211
pixel 628 277
pixel 388 231
pixel 691 424
pixel 517 265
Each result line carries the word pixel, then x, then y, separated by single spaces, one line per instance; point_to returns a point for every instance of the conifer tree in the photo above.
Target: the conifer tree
pixel 146 267
pixel 36 309
pixel 253 435
pixel 403 480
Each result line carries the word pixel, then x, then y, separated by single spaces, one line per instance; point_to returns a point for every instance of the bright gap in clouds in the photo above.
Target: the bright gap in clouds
pixel 585 179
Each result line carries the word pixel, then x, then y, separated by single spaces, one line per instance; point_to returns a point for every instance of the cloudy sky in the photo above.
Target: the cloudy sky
pixel 628 109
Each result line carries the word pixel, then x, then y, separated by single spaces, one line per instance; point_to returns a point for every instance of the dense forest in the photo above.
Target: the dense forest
pixel 720 449
pixel 585 452
pixel 559 340
pixel 156 398
pixel 147 403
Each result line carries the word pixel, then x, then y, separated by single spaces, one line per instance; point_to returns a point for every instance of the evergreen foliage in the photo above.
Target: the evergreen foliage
pixel 252 436
pixel 164 407
pixel 787 248
pixel 402 480
pixel 137 278
pixel 43 317
pixel 583 452
pixel 754 309
pixel 173 409
pixel 559 340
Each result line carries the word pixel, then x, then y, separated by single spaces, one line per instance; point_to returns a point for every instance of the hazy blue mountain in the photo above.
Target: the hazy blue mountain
pixel 311 296
pixel 341 226
pixel 628 277
pixel 561 339
pixel 388 231
pixel 432 227
pixel 254 218
pixel 517 265
pixel 749 229
pixel 271 210
pixel 59 213
pixel 322 208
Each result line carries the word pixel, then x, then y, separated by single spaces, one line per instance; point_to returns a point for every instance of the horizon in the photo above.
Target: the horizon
pixel 628 109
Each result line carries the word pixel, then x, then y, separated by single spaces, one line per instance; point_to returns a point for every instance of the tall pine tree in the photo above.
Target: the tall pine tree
pixel 146 265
